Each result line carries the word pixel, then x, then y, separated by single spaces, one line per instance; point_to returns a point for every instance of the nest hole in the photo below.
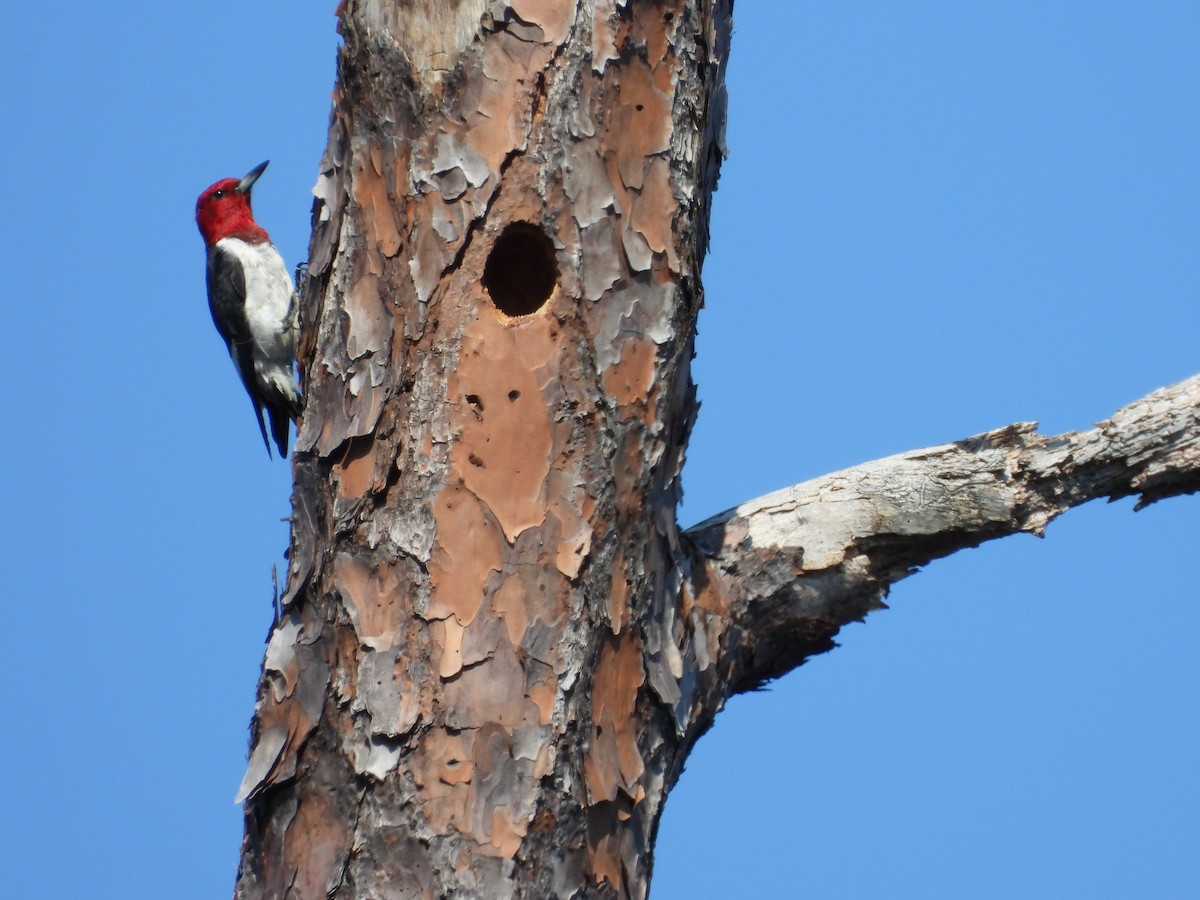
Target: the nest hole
pixel 521 271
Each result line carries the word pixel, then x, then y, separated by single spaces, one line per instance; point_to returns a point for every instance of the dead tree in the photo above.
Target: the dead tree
pixel 496 647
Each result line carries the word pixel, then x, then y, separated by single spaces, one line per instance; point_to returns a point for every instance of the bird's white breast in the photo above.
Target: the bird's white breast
pixel 269 310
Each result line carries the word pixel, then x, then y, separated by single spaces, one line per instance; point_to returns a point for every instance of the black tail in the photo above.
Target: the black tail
pixel 258 417
pixel 281 426
pixel 282 413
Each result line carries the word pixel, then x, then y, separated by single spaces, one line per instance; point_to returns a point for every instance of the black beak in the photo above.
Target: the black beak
pixel 252 176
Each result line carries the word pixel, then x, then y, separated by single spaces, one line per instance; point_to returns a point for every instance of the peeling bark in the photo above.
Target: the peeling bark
pixel 478 666
pixel 496 647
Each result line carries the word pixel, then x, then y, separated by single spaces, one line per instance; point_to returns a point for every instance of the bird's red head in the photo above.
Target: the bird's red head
pixel 223 210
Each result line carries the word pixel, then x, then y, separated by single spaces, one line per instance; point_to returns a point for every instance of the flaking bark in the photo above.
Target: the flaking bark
pixel 497 647
pixel 475 688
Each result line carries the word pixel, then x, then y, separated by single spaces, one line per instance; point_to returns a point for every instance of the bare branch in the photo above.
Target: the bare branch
pixel 798 564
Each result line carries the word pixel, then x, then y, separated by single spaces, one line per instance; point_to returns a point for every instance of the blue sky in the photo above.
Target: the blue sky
pixel 937 218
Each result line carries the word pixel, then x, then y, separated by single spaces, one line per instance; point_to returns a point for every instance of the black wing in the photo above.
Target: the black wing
pixel 227 302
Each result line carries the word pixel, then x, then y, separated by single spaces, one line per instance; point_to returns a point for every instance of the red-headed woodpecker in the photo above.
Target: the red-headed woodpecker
pixel 252 300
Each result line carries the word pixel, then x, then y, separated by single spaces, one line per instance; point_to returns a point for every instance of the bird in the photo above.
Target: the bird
pixel 253 302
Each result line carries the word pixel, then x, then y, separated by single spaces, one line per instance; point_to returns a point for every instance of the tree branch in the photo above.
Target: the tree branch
pixel 795 566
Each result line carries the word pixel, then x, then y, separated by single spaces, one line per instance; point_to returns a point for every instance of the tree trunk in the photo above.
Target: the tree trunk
pixel 496 648
pixel 483 678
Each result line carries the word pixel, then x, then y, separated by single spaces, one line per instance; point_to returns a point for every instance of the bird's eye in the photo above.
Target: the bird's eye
pixel 218 194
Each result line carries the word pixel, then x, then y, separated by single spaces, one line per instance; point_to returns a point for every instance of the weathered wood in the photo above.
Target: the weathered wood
pixel 793 567
pixel 476 686
pixel 496 647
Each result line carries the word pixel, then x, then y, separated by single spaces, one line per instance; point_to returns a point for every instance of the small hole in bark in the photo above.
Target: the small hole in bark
pixel 520 271
pixel 476 406
pixel 513 396
pixel 639 107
